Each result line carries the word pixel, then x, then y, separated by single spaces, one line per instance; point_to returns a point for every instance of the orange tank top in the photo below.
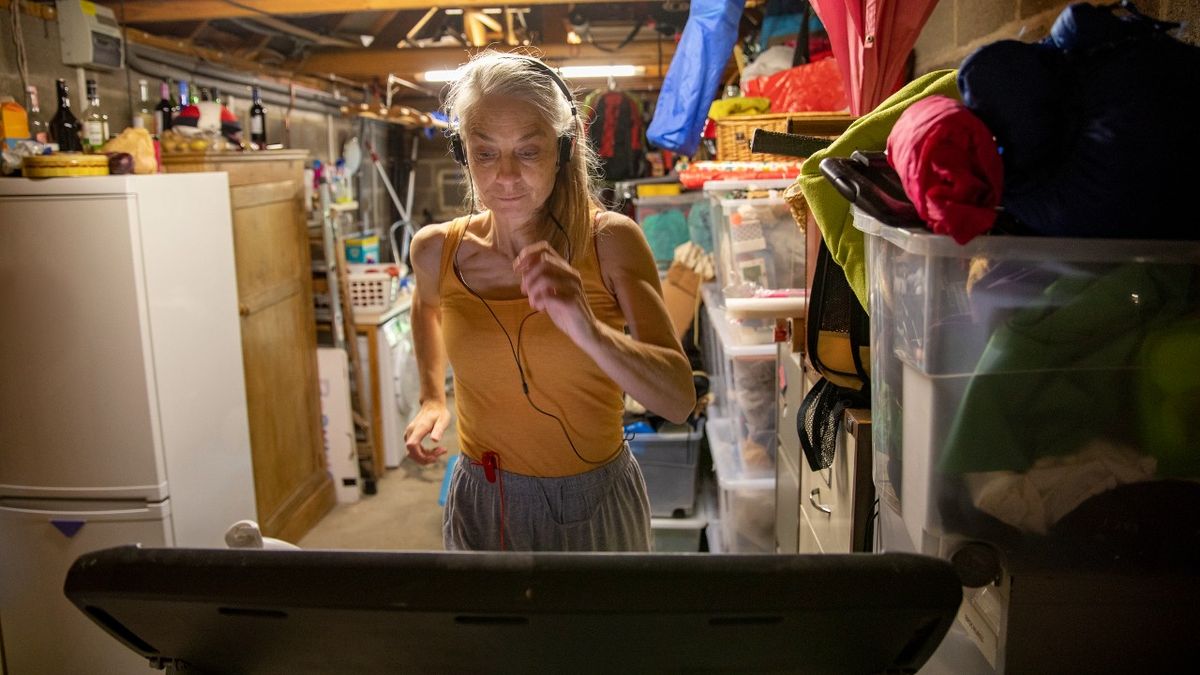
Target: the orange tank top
pixel 493 413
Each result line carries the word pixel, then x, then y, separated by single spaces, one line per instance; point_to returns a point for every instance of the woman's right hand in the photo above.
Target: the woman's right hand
pixel 431 421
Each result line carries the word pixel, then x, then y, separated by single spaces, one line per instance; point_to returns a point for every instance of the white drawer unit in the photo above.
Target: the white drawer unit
pixel 828 511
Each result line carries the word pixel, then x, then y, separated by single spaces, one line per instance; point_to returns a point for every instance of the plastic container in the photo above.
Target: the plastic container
pixel 363 250
pixel 744 378
pixel 668 462
pixel 761 254
pixel 372 287
pixel 717 191
pixel 1014 378
pixel 682 535
pixel 746 504
pixel 665 222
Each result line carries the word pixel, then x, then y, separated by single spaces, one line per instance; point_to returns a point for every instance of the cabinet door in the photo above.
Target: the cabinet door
pixel 279 350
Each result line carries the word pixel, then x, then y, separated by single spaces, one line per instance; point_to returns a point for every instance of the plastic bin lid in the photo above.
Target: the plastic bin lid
pixel 730 347
pixel 729 204
pixel 668 200
pixel 761 184
pixel 1009 247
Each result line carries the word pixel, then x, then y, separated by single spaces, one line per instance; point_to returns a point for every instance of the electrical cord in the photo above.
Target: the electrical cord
pixel 18 39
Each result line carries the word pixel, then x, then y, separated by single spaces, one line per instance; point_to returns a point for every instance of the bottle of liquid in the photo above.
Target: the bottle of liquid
pixel 205 94
pixel 95 121
pixel 164 110
pixel 258 120
pixel 184 98
pixel 64 127
pixel 143 117
pixel 38 129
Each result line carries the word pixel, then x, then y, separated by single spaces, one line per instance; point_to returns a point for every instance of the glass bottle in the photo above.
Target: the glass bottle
pixel 258 120
pixel 143 117
pixel 38 129
pixel 95 121
pixel 64 127
pixel 184 98
pixel 163 111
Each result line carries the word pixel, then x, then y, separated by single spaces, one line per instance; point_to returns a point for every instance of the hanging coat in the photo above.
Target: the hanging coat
pixel 695 74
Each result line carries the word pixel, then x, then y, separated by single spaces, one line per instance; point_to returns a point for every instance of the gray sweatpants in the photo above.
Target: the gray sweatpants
pixel 605 509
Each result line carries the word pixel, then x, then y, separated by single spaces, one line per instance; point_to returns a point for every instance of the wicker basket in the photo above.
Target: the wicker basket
pixel 734 133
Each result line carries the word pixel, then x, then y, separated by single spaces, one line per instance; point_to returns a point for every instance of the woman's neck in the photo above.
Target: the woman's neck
pixel 509 237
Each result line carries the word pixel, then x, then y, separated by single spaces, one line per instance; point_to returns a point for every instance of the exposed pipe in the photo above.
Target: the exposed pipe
pixel 165 65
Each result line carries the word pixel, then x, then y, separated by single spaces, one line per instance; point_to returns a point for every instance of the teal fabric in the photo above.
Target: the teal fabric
pixel 665 230
pixel 700 225
pixel 1063 370
pixel 869 132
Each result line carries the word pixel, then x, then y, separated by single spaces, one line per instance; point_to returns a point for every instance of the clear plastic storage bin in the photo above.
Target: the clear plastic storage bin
pixel 665 222
pixel 743 379
pixel 668 462
pixel 760 256
pixel 1016 378
pixel 682 535
pixel 746 504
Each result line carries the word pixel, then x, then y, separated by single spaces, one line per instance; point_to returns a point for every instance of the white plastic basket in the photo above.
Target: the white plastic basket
pixel 371 288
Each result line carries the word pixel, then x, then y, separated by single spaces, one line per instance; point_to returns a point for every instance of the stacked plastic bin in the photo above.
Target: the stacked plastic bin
pixel 759 249
pixel 1031 400
pixel 669 462
pixel 665 221
pixel 742 436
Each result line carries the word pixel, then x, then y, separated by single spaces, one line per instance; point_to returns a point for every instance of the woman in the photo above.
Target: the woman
pixel 529 300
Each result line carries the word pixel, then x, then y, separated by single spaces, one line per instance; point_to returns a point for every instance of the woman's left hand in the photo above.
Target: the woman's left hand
pixel 554 287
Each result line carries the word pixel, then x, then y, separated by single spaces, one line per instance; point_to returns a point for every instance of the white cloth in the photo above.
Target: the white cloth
pixel 1036 499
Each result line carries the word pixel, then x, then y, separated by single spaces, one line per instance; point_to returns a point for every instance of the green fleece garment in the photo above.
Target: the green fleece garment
pixel 869 133
pixel 1065 370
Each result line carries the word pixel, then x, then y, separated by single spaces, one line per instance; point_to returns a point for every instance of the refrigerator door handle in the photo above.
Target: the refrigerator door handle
pixel 87 511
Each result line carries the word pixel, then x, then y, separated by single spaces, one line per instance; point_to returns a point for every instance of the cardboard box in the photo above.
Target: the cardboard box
pixel 681 291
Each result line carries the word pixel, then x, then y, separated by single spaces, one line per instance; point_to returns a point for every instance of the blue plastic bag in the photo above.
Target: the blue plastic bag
pixel 695 74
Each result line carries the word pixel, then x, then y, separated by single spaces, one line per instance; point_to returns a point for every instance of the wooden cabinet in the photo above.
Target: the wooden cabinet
pixel 274 283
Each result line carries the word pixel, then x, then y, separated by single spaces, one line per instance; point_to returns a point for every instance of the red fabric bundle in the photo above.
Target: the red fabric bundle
pixel 814 87
pixel 949 165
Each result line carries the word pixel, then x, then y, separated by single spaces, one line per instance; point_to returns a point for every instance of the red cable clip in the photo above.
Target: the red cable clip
pixel 491 463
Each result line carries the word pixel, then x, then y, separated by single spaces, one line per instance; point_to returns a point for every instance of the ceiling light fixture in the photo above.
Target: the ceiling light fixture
pixel 570 72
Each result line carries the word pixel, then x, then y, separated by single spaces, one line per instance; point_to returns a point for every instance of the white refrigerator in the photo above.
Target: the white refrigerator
pixel 122 400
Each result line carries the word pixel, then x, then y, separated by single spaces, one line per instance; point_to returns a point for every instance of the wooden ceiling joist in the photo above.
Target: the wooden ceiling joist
pixel 154 11
pixel 359 63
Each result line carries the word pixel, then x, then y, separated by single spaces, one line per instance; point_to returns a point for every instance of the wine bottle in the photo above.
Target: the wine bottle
pixel 258 120
pixel 162 111
pixel 95 121
pixel 38 129
pixel 143 118
pixel 64 127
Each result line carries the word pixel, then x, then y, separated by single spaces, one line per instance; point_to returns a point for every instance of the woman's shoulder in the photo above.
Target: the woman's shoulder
pixel 617 235
pixel 428 245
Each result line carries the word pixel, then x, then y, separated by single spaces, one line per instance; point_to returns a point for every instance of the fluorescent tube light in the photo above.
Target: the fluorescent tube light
pixel 569 72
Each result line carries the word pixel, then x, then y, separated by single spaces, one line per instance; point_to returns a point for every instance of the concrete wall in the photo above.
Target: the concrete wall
pixel 119 93
pixel 958 27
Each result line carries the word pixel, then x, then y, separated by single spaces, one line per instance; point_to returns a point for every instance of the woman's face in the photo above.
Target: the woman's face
pixel 511 154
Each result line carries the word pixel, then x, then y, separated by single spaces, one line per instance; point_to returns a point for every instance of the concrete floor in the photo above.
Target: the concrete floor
pixel 403 514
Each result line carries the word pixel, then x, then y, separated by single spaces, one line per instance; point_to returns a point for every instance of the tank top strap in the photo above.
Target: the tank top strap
pixel 454 237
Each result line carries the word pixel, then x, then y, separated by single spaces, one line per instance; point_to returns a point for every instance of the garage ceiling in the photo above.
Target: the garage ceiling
pixel 366 41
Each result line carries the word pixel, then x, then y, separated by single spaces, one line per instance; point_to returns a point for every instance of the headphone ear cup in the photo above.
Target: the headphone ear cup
pixel 456 149
pixel 566 148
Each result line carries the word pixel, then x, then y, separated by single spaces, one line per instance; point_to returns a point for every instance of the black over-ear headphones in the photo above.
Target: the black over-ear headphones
pixel 566 146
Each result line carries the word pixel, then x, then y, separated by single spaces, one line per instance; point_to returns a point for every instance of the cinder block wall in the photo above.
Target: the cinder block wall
pixel 958 27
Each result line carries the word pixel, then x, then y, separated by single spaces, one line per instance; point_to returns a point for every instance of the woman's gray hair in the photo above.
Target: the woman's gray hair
pixel 496 73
